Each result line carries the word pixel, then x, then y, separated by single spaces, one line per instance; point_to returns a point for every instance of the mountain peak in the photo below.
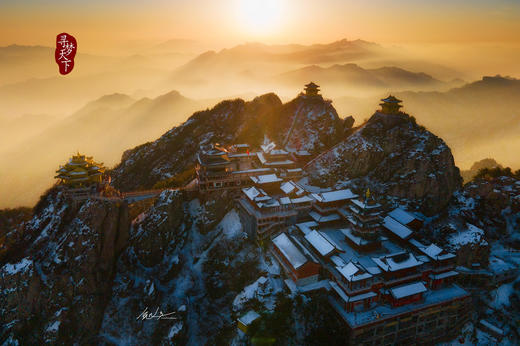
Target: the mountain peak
pixel 338 74
pixel 308 123
pixel 114 100
pixel 393 156
pixel 171 94
pixel 271 98
pixel 498 79
pixel 115 97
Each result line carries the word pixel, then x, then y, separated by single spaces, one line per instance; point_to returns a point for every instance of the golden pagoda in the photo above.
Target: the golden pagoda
pixel 312 89
pixel 390 105
pixel 80 171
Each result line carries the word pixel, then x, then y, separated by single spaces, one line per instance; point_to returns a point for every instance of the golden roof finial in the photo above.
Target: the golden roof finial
pixel 367 194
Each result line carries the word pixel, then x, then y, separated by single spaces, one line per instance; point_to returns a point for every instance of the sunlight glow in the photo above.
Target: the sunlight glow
pixel 259 16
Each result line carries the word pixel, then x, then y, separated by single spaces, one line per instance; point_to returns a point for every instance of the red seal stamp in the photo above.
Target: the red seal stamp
pixel 65 52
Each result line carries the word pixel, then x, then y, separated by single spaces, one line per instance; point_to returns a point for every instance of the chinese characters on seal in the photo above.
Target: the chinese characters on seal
pixel 65 52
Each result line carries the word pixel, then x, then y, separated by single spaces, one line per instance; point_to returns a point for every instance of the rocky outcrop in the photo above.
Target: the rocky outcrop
pixel 304 123
pixel 468 175
pixel 227 122
pixel 469 243
pixel 348 122
pixel 493 196
pixel 11 231
pixel 492 204
pixel 56 290
pixel 392 155
pixel 483 213
pixel 186 257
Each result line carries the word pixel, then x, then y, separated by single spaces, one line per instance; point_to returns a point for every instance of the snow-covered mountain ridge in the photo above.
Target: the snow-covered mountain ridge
pixel 305 123
pixel 83 272
pixel 56 288
pixel 395 157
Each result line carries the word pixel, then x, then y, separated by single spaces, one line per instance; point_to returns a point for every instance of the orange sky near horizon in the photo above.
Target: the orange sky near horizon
pixel 117 24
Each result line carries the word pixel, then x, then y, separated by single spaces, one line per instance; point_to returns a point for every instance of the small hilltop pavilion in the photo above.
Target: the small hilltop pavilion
pixel 81 172
pixel 390 105
pixel 312 89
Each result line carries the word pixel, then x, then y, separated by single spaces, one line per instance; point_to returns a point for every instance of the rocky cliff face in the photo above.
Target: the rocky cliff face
pixel 186 257
pixel 306 123
pixel 492 201
pixel 176 150
pixel 57 288
pixel 392 155
pixel 193 259
pixel 11 231
pixel 490 204
pixel 481 224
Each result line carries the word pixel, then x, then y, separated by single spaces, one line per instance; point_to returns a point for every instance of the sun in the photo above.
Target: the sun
pixel 259 16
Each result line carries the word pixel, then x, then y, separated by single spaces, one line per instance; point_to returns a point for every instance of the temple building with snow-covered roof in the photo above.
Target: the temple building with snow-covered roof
pixel 273 157
pixel 232 167
pixel 327 205
pixel 218 167
pixel 388 287
pixel 271 205
pixel 297 262
pixel 406 218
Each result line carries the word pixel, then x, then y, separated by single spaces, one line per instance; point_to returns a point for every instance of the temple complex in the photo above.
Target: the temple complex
pixel 362 251
pixel 235 166
pixel 387 285
pixel 390 105
pixel 80 171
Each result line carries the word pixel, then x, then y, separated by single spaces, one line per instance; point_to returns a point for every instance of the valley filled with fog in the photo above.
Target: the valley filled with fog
pixel 111 103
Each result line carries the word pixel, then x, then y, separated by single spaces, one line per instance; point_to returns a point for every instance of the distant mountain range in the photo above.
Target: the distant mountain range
pixel 19 63
pixel 476 120
pixel 103 128
pixel 479 119
pixel 30 83
pixel 350 76
pixel 256 59
pixel 62 95
pixel 344 66
pixel 469 174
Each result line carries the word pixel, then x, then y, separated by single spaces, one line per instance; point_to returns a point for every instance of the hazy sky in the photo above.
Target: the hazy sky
pixel 116 23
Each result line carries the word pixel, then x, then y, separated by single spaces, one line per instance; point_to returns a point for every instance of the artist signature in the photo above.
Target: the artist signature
pixel 157 315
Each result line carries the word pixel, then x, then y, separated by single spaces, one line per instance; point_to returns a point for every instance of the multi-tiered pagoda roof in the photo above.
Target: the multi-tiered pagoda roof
pixel 80 171
pixel 390 105
pixel 312 89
